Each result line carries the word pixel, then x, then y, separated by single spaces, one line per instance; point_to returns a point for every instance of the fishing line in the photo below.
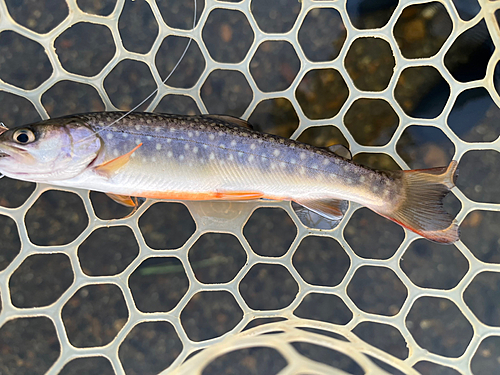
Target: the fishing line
pixel 155 91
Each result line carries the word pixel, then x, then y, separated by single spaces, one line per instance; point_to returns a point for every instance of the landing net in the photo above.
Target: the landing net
pixel 190 287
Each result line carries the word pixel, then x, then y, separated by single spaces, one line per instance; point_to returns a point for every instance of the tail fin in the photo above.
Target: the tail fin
pixel 422 208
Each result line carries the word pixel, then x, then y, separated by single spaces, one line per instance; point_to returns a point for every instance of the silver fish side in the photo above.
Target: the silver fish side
pixel 214 157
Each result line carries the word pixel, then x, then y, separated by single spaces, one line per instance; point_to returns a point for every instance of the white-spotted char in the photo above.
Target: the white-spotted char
pixel 218 157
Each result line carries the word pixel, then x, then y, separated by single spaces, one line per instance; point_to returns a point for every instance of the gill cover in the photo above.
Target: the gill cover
pixel 48 151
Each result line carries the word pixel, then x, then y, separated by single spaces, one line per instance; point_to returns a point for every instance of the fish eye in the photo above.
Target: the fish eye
pixel 24 136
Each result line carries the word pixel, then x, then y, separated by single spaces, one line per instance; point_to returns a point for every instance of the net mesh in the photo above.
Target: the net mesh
pixel 274 293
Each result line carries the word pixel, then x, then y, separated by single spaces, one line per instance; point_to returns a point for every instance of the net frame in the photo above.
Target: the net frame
pixel 209 219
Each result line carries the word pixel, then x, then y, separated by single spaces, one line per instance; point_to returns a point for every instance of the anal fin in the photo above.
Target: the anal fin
pixel 320 213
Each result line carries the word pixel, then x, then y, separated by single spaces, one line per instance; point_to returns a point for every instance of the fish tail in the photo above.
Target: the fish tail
pixel 421 209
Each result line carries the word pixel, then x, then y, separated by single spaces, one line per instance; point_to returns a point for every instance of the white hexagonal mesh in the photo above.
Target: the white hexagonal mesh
pixel 231 218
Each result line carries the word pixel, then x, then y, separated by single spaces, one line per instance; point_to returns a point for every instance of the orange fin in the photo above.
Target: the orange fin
pixel 238 195
pixel 422 208
pixel 111 166
pixel 331 209
pixel 124 199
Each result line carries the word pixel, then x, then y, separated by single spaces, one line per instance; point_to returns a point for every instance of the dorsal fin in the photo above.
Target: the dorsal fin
pixel 111 166
pixel 341 151
pixel 236 121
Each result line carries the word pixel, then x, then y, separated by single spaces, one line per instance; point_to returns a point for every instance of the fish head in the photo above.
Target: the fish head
pixel 51 150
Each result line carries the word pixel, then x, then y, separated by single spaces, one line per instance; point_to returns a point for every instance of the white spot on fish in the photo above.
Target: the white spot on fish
pixel 253 146
pixel 250 158
pixel 144 160
pixel 158 146
pixel 205 146
pixel 137 141
pixel 302 170
pixel 190 134
pixel 153 159
pixel 116 153
pixel 109 136
pixel 172 130
pixel 303 155
pixel 133 155
pixel 293 161
pixel 169 154
pixel 361 178
pixel 125 135
pixel 263 158
pixel 212 156
pixel 181 157
pixel 314 166
pixel 273 166
pixel 195 149
pixel 148 121
pixel 240 154
pixel 346 168
pixel 260 140
pixel 233 143
pixel 169 140
pixel 190 164
pixel 197 133
pixel 138 127
pixel 326 162
pixel 282 165
pixel 157 129
pixel 186 147
pixel 375 188
pixel 149 137
pixel 222 145
pixel 211 137
pixel 276 152
pixel 230 157
pixel 349 181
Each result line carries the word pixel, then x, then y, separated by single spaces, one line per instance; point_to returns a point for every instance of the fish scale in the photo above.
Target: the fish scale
pixel 218 157
pixel 226 157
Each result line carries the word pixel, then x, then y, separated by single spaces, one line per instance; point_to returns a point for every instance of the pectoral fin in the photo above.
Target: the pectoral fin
pixel 320 213
pixel 110 167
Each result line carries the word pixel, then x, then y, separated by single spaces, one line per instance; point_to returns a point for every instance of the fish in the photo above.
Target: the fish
pixel 218 157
